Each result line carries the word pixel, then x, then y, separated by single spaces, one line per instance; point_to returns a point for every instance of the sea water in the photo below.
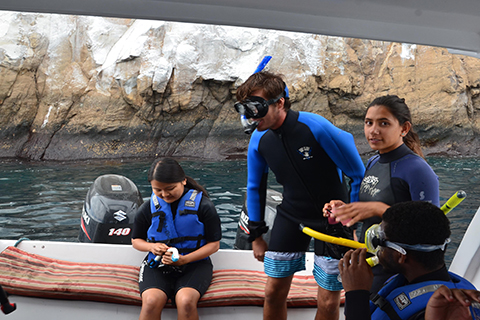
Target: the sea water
pixel 43 200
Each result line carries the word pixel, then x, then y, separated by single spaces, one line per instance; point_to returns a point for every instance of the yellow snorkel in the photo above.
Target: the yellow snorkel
pixel 451 203
pixel 454 201
pixel 372 261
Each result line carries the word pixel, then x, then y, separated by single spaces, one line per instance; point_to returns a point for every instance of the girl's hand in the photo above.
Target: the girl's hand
pixel 158 248
pixel 171 255
pixel 351 213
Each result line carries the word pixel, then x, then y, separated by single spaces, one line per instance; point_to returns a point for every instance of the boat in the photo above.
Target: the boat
pixel 450 24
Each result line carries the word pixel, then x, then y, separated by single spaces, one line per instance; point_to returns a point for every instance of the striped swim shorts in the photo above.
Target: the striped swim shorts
pixel 326 273
pixel 284 264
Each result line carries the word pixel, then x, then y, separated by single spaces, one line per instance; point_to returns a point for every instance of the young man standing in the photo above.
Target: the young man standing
pixel 309 157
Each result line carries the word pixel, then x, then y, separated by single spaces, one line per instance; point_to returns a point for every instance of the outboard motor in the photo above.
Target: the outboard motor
pixel 274 198
pixel 109 210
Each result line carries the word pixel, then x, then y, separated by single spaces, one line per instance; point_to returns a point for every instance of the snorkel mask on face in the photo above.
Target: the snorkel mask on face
pixel 375 238
pixel 256 107
pixel 253 107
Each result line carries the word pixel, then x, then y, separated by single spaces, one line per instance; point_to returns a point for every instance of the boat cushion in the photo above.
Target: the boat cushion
pixel 27 274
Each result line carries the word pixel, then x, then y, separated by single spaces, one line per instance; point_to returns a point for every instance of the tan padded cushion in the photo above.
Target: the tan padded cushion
pixel 27 274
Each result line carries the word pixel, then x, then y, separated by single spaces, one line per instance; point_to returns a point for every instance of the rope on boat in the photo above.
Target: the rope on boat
pixel 20 240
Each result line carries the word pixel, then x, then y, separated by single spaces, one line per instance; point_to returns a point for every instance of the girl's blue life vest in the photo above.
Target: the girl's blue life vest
pixel 396 301
pixel 180 229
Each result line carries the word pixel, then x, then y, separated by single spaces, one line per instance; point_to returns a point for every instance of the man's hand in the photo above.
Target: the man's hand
pixel 259 247
pixel 450 304
pixel 355 272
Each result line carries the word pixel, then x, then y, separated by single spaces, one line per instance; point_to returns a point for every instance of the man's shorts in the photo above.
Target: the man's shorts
pixel 286 255
pixel 284 264
pixel 197 275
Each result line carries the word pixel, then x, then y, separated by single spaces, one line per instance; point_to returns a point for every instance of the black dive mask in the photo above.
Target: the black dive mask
pixel 255 107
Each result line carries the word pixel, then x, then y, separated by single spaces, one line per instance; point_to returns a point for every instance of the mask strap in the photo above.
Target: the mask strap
pixel 420 247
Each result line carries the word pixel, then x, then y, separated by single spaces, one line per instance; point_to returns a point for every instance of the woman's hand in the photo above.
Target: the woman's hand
pixel 327 207
pixel 354 212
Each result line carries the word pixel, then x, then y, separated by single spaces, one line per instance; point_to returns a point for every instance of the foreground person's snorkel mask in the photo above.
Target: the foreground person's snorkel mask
pixel 256 107
pixel 375 238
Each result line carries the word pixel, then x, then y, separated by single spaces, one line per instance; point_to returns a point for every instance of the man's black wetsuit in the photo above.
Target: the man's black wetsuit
pixel 307 154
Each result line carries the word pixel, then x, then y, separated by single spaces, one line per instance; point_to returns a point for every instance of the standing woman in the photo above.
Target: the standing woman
pixel 397 173
pixel 180 215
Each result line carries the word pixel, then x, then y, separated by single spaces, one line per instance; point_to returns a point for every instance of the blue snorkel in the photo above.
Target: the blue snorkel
pixel 262 64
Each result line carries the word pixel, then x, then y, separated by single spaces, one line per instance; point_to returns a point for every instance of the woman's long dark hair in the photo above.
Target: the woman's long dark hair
pixel 167 170
pixel 399 109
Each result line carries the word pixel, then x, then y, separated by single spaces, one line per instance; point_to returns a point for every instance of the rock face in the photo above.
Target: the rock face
pixel 75 87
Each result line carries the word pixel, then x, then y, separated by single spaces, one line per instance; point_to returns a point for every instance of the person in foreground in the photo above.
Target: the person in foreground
pixel 308 156
pixel 411 242
pixel 397 173
pixel 6 306
pixel 451 304
pixel 179 215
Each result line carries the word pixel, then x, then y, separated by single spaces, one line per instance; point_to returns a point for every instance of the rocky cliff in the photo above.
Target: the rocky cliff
pixel 74 87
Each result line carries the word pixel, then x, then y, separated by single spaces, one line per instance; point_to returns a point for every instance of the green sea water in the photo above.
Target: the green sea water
pixel 43 200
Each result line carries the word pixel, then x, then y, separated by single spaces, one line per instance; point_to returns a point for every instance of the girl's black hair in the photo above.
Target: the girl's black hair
pixel 399 109
pixel 168 170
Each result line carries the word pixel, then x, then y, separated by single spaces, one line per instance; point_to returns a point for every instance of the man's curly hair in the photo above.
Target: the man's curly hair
pixel 271 84
pixel 418 222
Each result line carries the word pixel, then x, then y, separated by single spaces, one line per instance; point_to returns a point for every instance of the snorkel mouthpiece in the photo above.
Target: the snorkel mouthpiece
pixel 248 125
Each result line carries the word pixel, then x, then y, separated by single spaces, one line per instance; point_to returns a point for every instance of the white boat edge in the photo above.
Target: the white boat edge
pixel 28 307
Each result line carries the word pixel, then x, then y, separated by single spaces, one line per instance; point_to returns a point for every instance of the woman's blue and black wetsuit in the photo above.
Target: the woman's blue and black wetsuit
pixel 308 156
pixel 396 176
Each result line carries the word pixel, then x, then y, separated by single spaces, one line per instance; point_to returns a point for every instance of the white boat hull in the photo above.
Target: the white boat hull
pixel 36 308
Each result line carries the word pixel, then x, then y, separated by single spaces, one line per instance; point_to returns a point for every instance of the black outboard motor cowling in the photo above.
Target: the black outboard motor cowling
pixel 109 210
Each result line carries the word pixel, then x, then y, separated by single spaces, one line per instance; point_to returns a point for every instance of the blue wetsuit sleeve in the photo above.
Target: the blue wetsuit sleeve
pixel 421 179
pixel 340 147
pixel 256 186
